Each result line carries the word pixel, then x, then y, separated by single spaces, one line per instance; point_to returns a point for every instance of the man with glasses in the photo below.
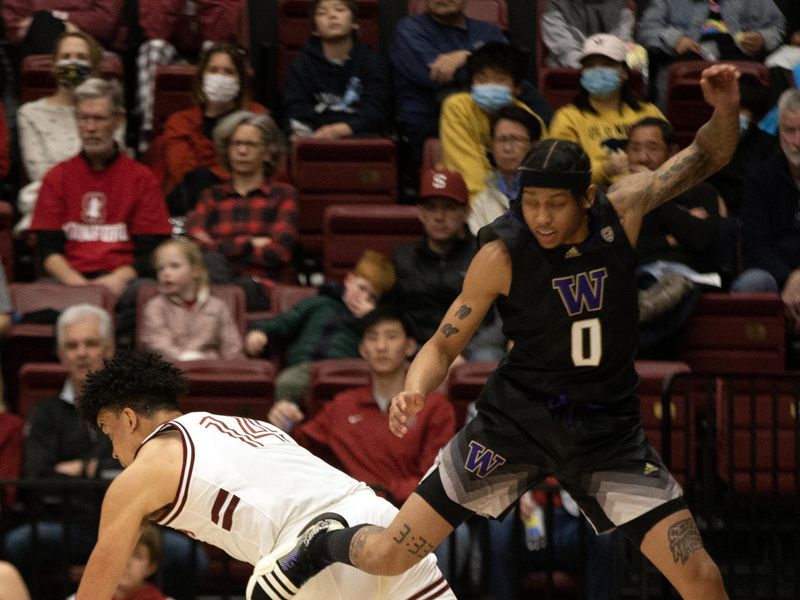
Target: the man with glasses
pixel 513 130
pixel 100 214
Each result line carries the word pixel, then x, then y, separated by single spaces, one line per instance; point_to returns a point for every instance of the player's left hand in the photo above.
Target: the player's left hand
pixel 403 411
pixel 720 85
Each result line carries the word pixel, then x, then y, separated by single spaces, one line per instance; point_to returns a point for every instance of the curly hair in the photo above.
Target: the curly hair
pixel 142 381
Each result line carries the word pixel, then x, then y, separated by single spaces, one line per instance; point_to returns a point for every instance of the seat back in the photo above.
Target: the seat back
pixel 730 333
pixel 173 92
pixel 432 154
pixel 294 29
pixel 492 11
pixel 232 295
pixel 6 239
pixel 326 172
pixel 39 295
pixel 36 74
pixel 329 377
pixel 349 229
pixel 38 381
pixel 758 434
pixel 464 384
pixel 685 107
pixel 242 388
pixel 678 454
pixel 285 297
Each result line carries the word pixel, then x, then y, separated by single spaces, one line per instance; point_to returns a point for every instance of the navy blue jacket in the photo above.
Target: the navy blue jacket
pixel 770 218
pixel 319 92
pixel 418 40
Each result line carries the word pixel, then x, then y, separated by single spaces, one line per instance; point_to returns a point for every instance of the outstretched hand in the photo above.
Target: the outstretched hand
pixel 403 411
pixel 720 85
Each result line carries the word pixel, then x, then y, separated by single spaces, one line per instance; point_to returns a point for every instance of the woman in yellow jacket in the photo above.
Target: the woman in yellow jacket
pixel 604 110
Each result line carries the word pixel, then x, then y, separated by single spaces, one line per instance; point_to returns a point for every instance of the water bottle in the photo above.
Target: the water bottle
pixel 535 535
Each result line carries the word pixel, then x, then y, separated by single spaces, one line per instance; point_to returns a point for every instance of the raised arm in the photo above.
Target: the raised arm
pixel 712 148
pixel 147 485
pixel 488 276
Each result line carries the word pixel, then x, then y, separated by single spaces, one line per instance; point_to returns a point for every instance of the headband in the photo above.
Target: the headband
pixel 567 180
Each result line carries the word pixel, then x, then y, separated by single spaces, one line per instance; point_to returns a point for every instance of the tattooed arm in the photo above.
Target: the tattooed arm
pixel 488 276
pixel 712 148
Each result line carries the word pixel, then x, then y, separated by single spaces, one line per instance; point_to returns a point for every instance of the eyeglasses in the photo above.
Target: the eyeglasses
pixel 246 144
pixel 516 140
pixel 100 119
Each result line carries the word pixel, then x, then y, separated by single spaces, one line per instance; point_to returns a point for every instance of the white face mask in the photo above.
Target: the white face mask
pixel 220 88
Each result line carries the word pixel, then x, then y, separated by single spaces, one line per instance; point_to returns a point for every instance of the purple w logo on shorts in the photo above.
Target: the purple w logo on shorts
pixel 481 460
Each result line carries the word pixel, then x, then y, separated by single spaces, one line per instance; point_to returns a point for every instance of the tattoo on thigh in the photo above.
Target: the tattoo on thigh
pixel 684 539
pixel 448 330
pixel 463 311
pixel 414 544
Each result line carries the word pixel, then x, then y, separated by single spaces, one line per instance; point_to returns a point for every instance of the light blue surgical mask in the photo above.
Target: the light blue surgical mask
pixel 491 97
pixel 601 81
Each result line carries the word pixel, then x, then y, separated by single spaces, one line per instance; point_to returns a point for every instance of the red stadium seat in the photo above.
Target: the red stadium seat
pixel 285 296
pixel 464 384
pixel 6 239
pixel 653 376
pixel 685 108
pixel 329 377
pixel 173 92
pixel 38 381
pixel 294 29
pixel 731 333
pixel 493 11
pixel 242 388
pixel 36 74
pixel 348 171
pixel 432 154
pixel 232 295
pixel 758 436
pixel 349 229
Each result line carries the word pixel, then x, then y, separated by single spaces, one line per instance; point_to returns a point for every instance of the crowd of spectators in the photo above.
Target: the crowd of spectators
pixel 103 197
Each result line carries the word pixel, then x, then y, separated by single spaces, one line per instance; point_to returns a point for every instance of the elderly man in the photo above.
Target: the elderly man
pixel 770 219
pixel 100 214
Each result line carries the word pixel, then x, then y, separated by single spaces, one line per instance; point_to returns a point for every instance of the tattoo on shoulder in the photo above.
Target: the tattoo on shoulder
pixel 463 311
pixel 417 545
pixel 684 540
pixel 448 330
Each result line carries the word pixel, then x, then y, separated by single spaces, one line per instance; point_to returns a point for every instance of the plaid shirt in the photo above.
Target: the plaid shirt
pixel 226 222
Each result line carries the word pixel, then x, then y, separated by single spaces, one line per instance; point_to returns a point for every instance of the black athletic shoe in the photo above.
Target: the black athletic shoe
pixel 281 574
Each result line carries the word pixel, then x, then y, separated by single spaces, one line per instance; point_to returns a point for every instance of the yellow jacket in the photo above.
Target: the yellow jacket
pixel 589 130
pixel 466 137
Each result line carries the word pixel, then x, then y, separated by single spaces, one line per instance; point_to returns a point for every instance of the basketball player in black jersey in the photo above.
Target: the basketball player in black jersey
pixel 561 265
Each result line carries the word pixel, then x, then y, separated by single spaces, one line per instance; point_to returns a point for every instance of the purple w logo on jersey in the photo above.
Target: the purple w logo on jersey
pixel 582 292
pixel 481 461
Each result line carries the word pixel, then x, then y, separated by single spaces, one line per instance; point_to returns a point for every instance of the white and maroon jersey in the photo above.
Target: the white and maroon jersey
pixel 246 485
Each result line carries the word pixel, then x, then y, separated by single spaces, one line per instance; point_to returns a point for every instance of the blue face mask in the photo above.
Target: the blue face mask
pixel 491 97
pixel 601 81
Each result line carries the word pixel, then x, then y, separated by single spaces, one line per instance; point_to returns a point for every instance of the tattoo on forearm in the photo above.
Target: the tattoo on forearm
pixel 359 543
pixel 684 539
pixel 416 545
pixel 448 330
pixel 463 311
pixel 684 166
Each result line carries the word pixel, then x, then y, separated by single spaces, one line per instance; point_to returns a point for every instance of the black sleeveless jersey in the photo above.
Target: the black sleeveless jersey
pixel 572 311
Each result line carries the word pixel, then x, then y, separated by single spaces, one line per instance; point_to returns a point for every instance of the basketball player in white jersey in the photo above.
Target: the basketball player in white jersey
pixel 239 484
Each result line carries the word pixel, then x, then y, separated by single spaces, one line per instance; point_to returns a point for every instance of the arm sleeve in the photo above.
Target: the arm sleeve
pixel 283 235
pixel 231 345
pixel 625 27
pixel 760 245
pixel 197 222
pixel 298 94
pixel 32 147
pixel 48 215
pixel 563 41
pixel 772 23
pixel 101 19
pixel 158 17
pixel 50 242
pixel 654 31
pixel 412 52
pixel 313 434
pixel 156 334
pixel 462 149
pixel 177 147
pixel 287 325
pixel 694 235
pixel 371 114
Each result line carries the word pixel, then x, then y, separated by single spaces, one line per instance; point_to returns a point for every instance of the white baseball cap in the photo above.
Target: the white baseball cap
pixel 604 44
